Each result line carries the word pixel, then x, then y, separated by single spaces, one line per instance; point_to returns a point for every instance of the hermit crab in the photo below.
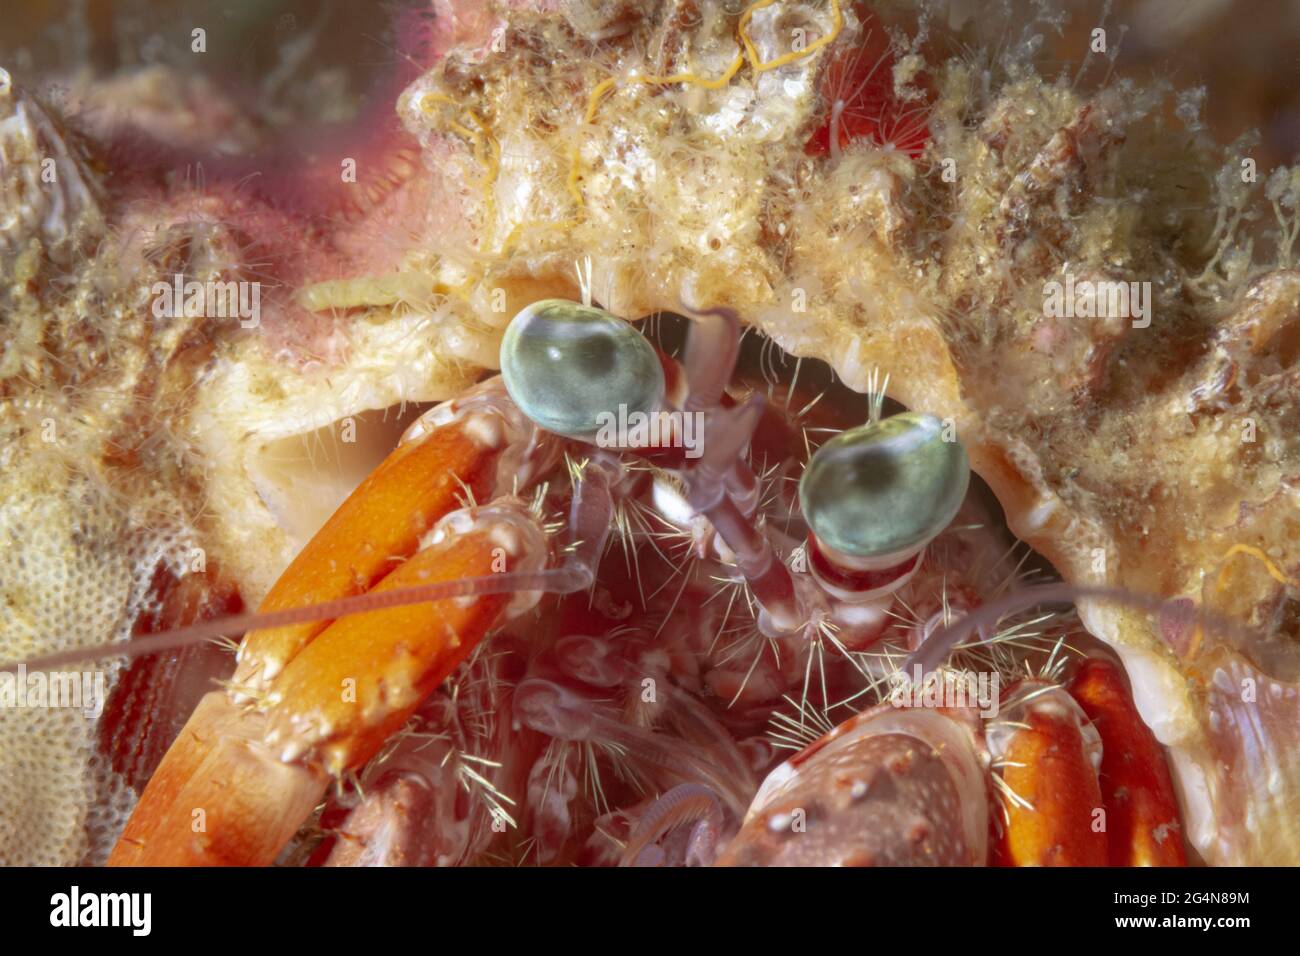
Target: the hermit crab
pixel 449 541
pixel 658 445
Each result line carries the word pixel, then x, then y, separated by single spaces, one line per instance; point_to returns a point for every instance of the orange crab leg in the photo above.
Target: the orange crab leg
pixel 232 789
pixel 1143 825
pixel 361 679
pixel 1052 818
pixel 219 798
pixel 222 795
pixel 379 525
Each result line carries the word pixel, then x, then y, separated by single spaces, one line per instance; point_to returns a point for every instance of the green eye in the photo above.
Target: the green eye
pixel 884 488
pixel 567 366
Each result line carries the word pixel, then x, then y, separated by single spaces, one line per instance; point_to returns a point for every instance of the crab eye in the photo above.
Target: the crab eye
pixel 884 488
pixel 567 366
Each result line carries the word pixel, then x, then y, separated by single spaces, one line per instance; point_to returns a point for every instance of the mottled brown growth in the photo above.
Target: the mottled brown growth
pixel 155 695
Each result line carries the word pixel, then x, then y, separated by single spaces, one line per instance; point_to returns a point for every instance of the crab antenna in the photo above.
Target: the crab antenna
pixel 691 804
pixel 711 352
pixel 562 580
pixel 589 523
pixel 721 486
pixel 937 648
pixel 591 514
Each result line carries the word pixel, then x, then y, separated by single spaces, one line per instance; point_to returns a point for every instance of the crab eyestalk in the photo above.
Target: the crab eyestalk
pixel 874 497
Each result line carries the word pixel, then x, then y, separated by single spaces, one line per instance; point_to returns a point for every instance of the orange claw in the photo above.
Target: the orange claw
pixel 363 677
pixel 1046 748
pixel 1143 825
pixel 242 777
pixel 240 780
pixel 379 525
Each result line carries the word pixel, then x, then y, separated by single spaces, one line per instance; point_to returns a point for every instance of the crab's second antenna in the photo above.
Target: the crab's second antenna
pixel 711 352
pixel 720 484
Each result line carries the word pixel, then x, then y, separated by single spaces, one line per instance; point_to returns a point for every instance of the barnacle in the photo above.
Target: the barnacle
pixel 894 191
